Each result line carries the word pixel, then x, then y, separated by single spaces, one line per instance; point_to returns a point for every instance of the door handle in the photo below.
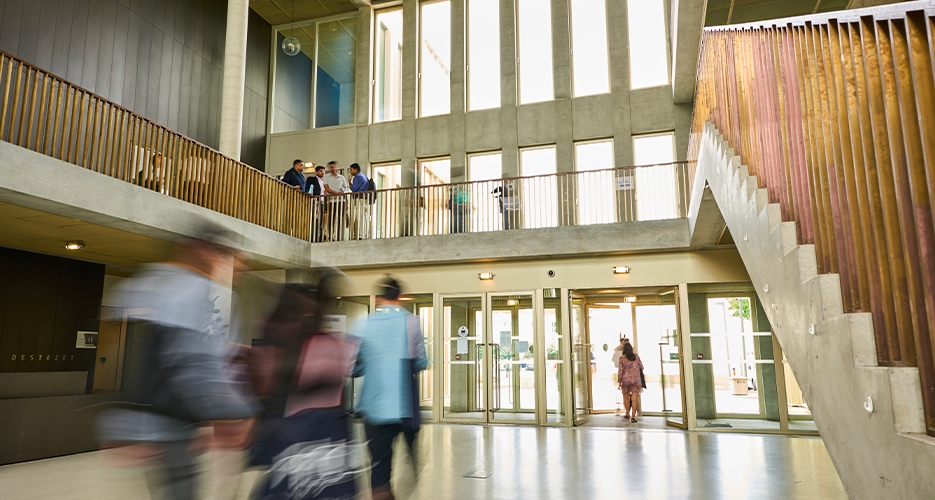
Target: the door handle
pixel 496 360
pixel 478 374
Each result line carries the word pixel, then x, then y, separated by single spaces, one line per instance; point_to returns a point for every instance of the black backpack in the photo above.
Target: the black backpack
pixel 372 188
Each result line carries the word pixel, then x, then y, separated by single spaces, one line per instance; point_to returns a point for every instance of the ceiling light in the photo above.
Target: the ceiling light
pixel 407 299
pixel 621 269
pixel 630 298
pixel 610 290
pixel 485 276
pixel 512 302
pixel 74 245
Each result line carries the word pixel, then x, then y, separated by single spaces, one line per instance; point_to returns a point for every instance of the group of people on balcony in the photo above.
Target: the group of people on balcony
pixel 333 212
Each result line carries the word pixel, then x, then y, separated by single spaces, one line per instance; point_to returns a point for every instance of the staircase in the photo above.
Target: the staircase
pixel 815 138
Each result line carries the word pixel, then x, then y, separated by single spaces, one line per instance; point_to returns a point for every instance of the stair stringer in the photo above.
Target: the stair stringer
pixel 881 453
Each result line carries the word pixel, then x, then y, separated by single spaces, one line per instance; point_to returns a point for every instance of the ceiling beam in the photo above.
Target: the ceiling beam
pixel 686 22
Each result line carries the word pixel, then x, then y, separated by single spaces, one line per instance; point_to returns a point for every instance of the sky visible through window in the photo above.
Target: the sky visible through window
pixel 649 60
pixel 589 43
pixel 435 59
pixel 656 193
pixel 595 189
pixel 483 54
pixel 535 51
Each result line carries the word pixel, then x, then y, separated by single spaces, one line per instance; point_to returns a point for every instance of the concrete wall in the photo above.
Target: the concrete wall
pixel 879 451
pixel 619 115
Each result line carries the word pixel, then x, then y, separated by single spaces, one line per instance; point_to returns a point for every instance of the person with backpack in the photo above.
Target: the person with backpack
pixel 630 381
pixel 360 205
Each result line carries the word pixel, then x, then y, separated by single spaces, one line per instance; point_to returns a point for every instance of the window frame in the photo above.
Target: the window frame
pixel 374 69
pixel 419 87
pixel 314 107
pixel 571 45
pixel 467 60
pixel 517 62
pixel 666 49
pixel 634 137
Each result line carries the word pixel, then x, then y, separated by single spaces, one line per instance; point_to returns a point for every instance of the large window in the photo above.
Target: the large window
pixel 484 212
pixel 539 194
pixel 590 65
pixel 435 59
pixel 656 191
pixel 596 184
pixel 388 66
pixel 483 66
pixel 292 83
pixel 649 57
pixel 337 60
pixel 534 20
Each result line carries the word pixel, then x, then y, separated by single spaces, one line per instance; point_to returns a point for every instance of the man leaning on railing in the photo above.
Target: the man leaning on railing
pixel 360 207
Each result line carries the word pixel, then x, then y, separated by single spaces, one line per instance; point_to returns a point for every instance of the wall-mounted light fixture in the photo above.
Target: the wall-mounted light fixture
pixel 512 302
pixel 485 276
pixel 74 245
pixel 630 298
pixel 621 269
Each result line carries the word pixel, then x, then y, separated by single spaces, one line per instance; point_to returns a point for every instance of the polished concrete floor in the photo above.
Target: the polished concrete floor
pixel 527 463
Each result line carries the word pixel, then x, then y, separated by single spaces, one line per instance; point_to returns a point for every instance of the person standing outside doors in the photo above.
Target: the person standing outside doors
pixel 391 354
pixel 294 176
pixel 631 384
pixel 335 187
pixel 359 206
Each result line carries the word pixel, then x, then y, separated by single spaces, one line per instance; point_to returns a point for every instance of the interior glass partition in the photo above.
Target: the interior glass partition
pixel 336 72
pixel 464 388
pixel 388 65
pixel 422 305
pixel 556 390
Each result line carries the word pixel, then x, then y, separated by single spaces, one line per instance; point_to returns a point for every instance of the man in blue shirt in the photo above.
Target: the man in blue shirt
pixel 391 355
pixel 294 176
pixel 360 206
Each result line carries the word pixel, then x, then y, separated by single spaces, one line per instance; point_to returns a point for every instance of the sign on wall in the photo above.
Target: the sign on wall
pixel 86 340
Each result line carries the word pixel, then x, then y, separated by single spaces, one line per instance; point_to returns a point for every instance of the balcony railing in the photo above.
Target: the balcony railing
pixel 835 115
pixel 48 115
pixel 624 194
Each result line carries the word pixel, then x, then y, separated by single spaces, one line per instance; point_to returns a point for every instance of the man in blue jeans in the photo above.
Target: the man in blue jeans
pixel 392 353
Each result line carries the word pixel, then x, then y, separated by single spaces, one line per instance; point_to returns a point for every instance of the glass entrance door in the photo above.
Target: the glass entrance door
pixel 489 358
pixel 580 359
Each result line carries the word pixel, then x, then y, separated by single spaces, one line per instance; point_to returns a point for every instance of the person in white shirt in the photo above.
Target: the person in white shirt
pixel 335 186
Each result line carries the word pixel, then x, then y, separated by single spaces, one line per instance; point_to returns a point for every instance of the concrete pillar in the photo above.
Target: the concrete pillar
pixel 235 69
pixel 620 80
pixel 410 91
pixel 561 64
pixel 457 140
pixel 362 86
pixel 703 374
pixel 509 135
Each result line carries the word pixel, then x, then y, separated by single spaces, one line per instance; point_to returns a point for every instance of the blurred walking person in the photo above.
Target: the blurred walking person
pixel 392 353
pixel 177 381
pixel 631 383
pixel 300 374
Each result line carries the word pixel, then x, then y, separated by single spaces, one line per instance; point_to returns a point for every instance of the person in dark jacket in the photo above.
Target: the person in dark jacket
pixel 316 185
pixel 294 176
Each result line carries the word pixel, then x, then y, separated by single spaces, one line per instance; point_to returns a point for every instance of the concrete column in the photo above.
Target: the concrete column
pixel 363 86
pixel 508 130
pixel 235 70
pixel 457 140
pixel 561 64
pixel 620 80
pixel 410 91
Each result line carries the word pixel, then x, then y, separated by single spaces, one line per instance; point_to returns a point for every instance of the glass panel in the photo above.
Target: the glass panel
pixel 646 28
pixel 483 54
pixel 800 416
pixel 481 206
pixel 732 354
pixel 292 82
pixel 656 342
pixel 337 60
pixel 595 190
pixel 352 310
pixel 421 305
pixel 435 59
pixel 534 50
pixel 387 66
pixel 607 324
pixel 464 396
pixel 539 195
pixel 433 203
pixel 554 363
pixel 512 339
pixel 580 360
pixel 656 187
pixel 589 41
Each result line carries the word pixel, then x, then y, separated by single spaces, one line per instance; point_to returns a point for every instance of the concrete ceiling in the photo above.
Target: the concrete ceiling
pixel 122 251
pixel 278 12
pixel 721 12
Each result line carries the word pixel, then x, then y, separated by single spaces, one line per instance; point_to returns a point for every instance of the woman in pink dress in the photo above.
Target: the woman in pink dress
pixel 630 382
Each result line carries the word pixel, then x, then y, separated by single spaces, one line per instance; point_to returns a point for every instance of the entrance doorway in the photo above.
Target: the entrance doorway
pixel 648 319
pixel 502 358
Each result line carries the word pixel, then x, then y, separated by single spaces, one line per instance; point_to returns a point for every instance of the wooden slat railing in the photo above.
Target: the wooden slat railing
pixel 46 114
pixel 836 116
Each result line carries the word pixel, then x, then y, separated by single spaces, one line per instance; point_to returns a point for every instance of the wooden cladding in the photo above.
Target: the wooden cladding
pixel 836 118
pixel 48 115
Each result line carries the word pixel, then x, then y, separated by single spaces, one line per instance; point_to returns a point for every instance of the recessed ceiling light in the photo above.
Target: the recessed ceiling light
pixel 74 245
pixel 621 269
pixel 610 290
pixel 485 276
pixel 630 298
pixel 512 302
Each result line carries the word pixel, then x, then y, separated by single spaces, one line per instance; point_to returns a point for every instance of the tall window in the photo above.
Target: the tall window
pixel 485 215
pixel 435 59
pixel 649 58
pixel 337 60
pixel 388 66
pixel 596 190
pixel 539 194
pixel 534 19
pixel 434 202
pixel 591 74
pixel 483 54
pixel 656 188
